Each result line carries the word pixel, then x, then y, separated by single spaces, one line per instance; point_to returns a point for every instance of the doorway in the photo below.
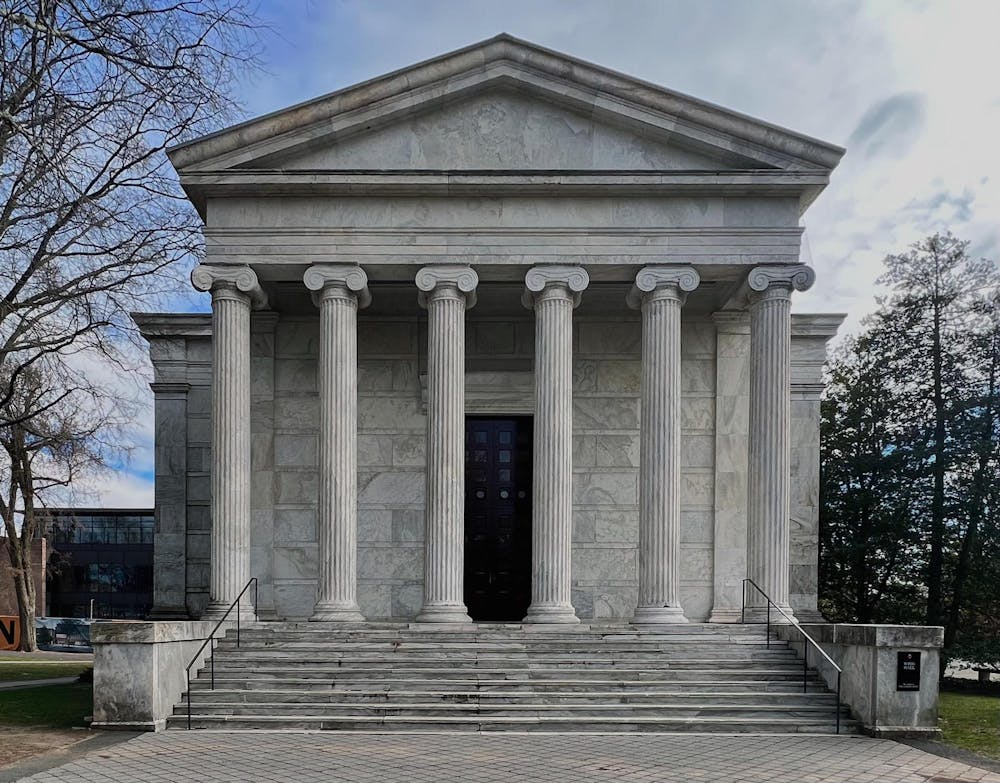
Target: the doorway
pixel 498 517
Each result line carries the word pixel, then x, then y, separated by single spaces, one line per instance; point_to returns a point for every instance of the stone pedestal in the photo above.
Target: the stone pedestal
pixel 446 292
pixel 770 399
pixel 553 292
pixel 234 290
pixel 339 290
pixel 660 293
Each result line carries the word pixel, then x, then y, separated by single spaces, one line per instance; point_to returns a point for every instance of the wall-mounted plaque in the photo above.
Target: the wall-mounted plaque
pixel 908 671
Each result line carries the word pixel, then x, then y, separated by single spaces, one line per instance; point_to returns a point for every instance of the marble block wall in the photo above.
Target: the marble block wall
pixel 391 458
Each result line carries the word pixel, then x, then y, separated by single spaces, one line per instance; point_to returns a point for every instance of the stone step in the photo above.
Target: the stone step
pixel 750 685
pixel 289 696
pixel 237 670
pixel 508 661
pixel 662 710
pixel 573 724
pixel 459 649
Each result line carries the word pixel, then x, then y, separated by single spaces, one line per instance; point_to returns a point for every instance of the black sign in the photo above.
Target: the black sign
pixel 908 671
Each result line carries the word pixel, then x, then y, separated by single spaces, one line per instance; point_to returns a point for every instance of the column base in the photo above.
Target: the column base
pixel 551 613
pixel 726 616
pixel 330 612
pixel 758 614
pixel 658 615
pixel 444 613
pixel 216 609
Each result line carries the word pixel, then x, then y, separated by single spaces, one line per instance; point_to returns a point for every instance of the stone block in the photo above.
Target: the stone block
pixel 609 337
pixel 262 489
pixel 391 488
pixel 615 602
pixel 405 376
pixel 696 489
pixel 697 413
pixel 375 451
pixel 386 338
pixel 583 602
pixel 407 524
pixel 295 451
pixel 298 562
pixel 617 451
pixel 297 337
pixel 408 450
pixel 374 376
pixel 696 563
pixel 296 413
pixel 584 375
pixel 697 527
pixel 296 486
pixel 375 599
pixel 697 451
pixel 390 562
pixel 491 337
pixel 394 414
pixel 698 376
pixel 296 375
pixel 295 524
pixel 605 489
pixel 374 525
pixel 584 526
pixel 584 451
pixel 605 413
pixel 407 599
pixel 617 527
pixel 294 600
pixel 619 376
pixel 604 565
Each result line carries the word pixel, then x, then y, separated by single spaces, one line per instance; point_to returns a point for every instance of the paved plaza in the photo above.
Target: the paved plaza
pixel 219 757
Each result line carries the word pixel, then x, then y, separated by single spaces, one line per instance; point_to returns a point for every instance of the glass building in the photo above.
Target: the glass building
pixel 99 555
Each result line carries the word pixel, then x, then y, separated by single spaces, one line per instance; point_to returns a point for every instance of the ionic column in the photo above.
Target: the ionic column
pixel 660 292
pixel 339 290
pixel 770 402
pixel 446 292
pixel 553 292
pixel 234 290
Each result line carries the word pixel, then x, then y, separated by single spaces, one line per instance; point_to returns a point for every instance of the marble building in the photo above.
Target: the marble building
pixel 503 335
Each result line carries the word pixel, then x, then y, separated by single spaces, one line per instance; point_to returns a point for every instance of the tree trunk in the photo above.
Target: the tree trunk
pixel 24 589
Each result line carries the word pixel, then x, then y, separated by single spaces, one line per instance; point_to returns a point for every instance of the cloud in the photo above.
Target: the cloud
pixel 890 126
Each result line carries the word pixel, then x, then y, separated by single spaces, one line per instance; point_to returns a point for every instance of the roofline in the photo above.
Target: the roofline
pixel 827 154
pixel 89 511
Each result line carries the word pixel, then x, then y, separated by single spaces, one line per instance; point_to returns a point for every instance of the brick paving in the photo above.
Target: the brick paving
pixel 220 757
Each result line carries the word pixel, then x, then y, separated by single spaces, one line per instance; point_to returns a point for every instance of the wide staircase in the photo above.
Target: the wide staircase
pixel 490 677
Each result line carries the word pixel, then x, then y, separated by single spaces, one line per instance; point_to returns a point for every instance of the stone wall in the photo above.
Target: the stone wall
pixel 392 422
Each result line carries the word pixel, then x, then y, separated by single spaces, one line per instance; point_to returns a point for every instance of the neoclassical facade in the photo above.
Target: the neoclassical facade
pixel 502 336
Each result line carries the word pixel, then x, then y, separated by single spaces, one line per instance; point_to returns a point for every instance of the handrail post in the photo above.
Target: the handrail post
pixel 768 624
pixel 211 658
pixel 743 608
pixel 238 622
pixel 805 663
pixel 189 697
pixel 838 702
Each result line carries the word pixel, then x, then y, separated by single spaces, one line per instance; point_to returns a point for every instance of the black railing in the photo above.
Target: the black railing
pixel 211 640
pixel 805 638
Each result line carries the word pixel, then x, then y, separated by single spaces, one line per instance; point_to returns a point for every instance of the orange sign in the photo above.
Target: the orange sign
pixel 10 633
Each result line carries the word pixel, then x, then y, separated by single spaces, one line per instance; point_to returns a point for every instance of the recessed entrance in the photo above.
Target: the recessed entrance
pixel 497 517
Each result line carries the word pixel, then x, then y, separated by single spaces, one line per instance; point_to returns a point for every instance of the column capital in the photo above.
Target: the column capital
pixel 241 279
pixel 462 277
pixel 350 277
pixel 682 279
pixel 797 277
pixel 169 389
pixel 573 278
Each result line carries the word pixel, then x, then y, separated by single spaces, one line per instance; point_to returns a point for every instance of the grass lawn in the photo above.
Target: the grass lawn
pixel 49 706
pixel 11 671
pixel 971 721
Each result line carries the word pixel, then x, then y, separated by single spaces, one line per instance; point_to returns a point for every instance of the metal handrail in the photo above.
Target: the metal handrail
pixel 792 621
pixel 211 638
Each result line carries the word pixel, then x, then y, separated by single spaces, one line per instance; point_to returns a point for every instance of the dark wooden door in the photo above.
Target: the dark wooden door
pixel 497 518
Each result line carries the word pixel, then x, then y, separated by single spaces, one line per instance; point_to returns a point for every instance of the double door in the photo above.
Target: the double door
pixel 497 518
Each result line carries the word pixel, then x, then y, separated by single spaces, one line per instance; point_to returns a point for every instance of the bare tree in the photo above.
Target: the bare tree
pixel 93 223
pixel 58 432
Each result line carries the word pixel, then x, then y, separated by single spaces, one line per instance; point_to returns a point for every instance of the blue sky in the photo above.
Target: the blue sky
pixel 909 88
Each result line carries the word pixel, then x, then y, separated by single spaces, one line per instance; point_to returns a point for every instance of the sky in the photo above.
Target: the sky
pixel 909 88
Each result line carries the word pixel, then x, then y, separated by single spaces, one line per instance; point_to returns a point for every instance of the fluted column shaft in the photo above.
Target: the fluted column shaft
pixel 230 565
pixel 446 293
pixel 234 290
pixel 770 403
pixel 338 455
pixel 660 457
pixel 555 296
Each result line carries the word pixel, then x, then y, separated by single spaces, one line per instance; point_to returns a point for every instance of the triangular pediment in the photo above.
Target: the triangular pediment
pixel 497 130
pixel 504 104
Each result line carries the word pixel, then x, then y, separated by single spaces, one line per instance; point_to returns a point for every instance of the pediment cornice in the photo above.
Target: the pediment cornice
pixel 505 62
